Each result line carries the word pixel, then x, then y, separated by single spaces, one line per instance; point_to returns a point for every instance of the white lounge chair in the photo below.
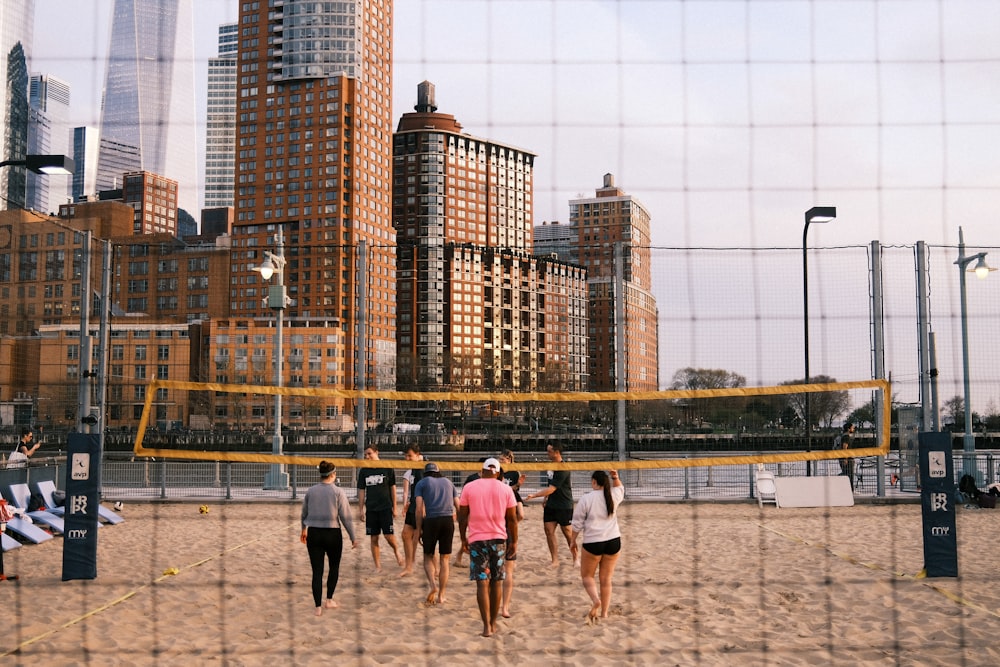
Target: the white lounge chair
pixel 29 531
pixel 767 492
pixel 20 495
pixel 47 487
pixel 9 543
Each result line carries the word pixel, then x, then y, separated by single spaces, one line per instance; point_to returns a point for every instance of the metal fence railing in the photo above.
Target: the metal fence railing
pixel 161 479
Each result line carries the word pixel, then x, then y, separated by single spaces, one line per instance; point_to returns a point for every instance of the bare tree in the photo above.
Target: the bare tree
pixel 824 406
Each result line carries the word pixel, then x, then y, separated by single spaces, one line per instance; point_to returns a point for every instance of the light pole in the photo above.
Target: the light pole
pixel 981 270
pixel 61 165
pixel 816 214
pixel 277 299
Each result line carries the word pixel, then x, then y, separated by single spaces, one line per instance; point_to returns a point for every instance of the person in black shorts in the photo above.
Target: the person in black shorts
pixel 410 479
pixel 513 479
pixel 558 505
pixel 437 504
pixel 377 502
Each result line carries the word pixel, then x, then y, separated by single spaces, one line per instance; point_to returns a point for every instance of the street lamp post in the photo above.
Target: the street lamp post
pixel 981 269
pixel 277 299
pixel 816 214
pixel 56 165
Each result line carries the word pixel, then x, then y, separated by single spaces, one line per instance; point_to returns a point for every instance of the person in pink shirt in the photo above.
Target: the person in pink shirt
pixel 487 523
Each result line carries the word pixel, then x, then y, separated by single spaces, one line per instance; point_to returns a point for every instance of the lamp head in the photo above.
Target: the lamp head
pixel 821 214
pixel 52 165
pixel 982 269
pixel 266 269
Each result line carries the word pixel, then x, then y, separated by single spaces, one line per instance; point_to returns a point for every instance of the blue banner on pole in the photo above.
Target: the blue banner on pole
pixel 83 487
pixel 937 499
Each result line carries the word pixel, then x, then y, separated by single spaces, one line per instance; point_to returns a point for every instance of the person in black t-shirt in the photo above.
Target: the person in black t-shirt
pixel 558 505
pixel 377 503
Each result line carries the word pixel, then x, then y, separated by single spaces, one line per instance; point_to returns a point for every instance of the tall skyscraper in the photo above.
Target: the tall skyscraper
pixel 600 223
pixel 314 133
pixel 17 18
pixel 48 134
pixel 220 128
pixel 84 152
pixel 474 308
pixel 149 93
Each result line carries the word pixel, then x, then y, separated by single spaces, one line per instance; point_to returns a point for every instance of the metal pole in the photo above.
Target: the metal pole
pixel 878 335
pixel 969 440
pixel 104 333
pixel 277 478
pixel 620 360
pixel 83 400
pixel 361 346
pixel 805 339
pixel 923 338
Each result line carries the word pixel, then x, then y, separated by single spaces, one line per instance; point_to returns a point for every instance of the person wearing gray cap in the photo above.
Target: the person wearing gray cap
pixel 437 501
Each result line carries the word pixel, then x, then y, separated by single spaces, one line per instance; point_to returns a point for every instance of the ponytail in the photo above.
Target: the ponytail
pixel 604 481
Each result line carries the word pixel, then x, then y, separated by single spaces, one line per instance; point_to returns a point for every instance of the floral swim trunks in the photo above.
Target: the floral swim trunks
pixel 486 560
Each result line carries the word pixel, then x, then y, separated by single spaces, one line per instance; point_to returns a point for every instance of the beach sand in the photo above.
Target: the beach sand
pixel 697 584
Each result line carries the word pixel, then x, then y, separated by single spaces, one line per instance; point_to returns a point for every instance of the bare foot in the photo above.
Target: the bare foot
pixel 431 598
pixel 405 573
pixel 332 604
pixel 554 564
pixel 595 612
pixel 505 613
pixel 319 611
pixel 440 599
pixel 399 559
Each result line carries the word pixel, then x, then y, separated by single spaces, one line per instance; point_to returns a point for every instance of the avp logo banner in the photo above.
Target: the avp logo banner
pixel 937 490
pixel 82 486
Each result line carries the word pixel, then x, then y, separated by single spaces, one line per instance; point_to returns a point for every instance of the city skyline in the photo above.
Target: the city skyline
pixel 727 119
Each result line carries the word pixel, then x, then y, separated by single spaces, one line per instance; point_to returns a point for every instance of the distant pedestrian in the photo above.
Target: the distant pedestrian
pixel 847 464
pixel 487 523
pixel 325 510
pixel 596 520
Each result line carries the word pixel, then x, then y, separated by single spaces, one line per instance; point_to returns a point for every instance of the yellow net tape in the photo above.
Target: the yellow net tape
pixel 881 449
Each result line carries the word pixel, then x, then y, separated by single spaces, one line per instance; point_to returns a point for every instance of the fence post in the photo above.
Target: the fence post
pixel 163 479
pixel 229 480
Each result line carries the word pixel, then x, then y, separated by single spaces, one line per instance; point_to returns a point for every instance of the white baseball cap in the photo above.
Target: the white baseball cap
pixel 491 464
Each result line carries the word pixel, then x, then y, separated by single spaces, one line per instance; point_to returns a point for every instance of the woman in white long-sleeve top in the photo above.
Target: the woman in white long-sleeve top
pixel 595 519
pixel 325 509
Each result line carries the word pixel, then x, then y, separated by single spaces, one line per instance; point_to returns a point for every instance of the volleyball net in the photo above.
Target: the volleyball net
pixel 751 425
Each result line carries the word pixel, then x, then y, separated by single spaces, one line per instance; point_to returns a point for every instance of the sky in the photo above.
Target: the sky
pixel 727 119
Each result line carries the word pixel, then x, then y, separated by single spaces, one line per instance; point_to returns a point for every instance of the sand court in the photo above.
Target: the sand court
pixel 697 584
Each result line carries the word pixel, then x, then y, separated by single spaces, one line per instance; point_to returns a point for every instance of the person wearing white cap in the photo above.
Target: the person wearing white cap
pixel 487 524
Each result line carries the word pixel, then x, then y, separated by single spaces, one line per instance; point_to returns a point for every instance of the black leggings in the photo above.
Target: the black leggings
pixel 329 543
